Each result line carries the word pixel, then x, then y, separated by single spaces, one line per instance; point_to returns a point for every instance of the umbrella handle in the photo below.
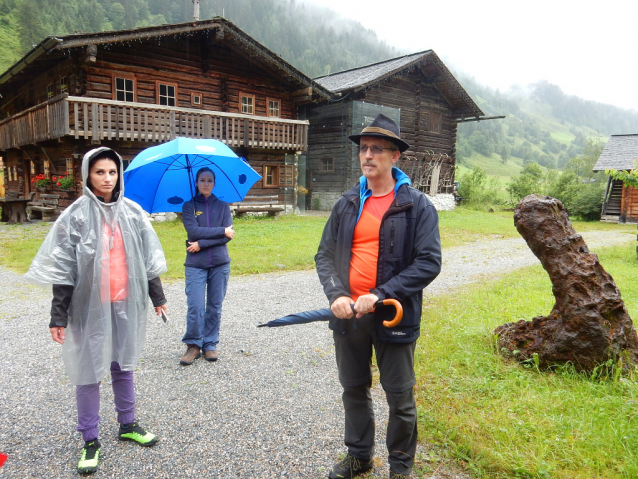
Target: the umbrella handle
pixel 398 315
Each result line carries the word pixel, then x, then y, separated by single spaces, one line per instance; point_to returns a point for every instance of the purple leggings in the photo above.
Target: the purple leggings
pixel 88 400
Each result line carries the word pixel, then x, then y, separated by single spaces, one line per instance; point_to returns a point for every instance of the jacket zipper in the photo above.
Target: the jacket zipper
pixel 392 237
pixel 210 250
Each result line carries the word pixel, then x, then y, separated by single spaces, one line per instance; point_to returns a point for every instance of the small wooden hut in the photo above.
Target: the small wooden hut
pixel 621 202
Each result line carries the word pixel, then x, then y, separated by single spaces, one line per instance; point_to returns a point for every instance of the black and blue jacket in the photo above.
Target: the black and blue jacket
pixel 205 221
pixel 409 255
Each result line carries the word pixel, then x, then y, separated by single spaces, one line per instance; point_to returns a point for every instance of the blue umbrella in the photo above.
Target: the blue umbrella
pixel 325 314
pixel 162 177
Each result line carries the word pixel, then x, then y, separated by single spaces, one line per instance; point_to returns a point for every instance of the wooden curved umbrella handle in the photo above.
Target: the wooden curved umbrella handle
pixel 398 316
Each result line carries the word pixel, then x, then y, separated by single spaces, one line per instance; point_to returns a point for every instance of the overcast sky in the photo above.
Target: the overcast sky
pixel 587 48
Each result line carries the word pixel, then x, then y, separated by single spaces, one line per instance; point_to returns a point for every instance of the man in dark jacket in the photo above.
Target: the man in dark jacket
pixel 381 241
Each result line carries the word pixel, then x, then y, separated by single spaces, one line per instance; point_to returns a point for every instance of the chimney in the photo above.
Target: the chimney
pixel 196 10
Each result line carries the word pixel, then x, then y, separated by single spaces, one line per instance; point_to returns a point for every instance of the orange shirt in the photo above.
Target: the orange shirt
pixel 365 245
pixel 118 275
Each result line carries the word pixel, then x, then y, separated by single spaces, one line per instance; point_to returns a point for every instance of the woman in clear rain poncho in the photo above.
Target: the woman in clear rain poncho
pixel 102 258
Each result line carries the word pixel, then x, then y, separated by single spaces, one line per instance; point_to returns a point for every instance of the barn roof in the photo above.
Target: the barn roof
pixel 51 48
pixel 620 153
pixel 427 61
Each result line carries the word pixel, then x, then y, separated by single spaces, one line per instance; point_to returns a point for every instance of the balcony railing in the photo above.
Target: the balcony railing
pixel 97 120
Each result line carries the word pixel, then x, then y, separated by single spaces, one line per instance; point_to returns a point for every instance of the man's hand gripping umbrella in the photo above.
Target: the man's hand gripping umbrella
pixel 326 314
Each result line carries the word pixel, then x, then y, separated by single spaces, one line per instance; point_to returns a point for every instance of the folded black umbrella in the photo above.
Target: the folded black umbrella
pixel 325 314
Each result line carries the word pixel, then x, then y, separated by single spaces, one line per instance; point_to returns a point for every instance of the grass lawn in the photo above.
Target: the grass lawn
pixel 506 421
pixel 285 243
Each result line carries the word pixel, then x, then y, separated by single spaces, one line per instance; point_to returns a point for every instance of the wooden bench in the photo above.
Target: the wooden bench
pixel 46 207
pixel 260 204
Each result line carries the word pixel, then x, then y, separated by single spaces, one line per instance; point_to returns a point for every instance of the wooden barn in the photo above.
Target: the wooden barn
pixel 133 89
pixel 621 202
pixel 419 93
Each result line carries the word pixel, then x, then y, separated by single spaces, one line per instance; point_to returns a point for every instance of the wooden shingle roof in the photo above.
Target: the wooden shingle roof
pixel 620 153
pixel 427 61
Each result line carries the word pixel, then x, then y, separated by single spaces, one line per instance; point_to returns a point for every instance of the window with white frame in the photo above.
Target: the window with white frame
pixel 285 175
pixel 50 91
pixel 274 108
pixel 247 104
pixel 327 164
pixel 64 87
pixel 124 89
pixel 167 94
pixel 196 99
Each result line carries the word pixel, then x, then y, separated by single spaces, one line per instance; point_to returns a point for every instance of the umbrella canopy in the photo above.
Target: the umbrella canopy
pixel 162 177
pixel 326 314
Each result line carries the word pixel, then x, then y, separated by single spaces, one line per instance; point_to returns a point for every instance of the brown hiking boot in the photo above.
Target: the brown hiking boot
pixel 191 354
pixel 211 355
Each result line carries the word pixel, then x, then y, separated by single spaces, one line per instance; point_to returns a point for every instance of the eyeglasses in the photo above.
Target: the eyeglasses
pixel 376 150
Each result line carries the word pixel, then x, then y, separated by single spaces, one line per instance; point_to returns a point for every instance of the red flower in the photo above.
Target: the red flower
pixel 58 183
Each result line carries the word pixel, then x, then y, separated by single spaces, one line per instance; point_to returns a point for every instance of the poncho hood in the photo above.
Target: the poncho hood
pixel 118 191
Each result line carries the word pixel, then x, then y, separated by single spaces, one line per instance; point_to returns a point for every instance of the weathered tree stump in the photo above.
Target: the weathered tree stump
pixel 589 323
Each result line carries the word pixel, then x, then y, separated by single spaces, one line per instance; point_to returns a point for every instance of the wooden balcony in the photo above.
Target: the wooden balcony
pixel 98 120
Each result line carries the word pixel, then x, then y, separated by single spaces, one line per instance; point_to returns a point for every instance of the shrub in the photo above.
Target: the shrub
pixel 530 181
pixel 588 201
pixel 477 188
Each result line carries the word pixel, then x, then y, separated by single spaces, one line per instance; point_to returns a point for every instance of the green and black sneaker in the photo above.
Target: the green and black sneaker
pixel 135 433
pixel 90 457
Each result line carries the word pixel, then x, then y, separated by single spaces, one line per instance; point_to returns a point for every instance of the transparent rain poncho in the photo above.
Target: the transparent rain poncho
pixel 76 252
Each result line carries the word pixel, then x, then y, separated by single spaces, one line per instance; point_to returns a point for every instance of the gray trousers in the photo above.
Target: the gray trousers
pixel 395 361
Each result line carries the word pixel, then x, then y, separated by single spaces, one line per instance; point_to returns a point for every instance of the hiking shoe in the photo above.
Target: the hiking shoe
pixel 350 467
pixel 90 457
pixel 135 433
pixel 211 355
pixel 191 354
pixel 396 475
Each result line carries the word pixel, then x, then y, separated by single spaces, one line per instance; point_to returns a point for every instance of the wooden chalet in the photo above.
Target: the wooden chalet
pixel 131 89
pixel 621 202
pixel 418 92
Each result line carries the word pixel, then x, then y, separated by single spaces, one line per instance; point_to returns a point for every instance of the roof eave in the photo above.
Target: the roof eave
pixel 45 46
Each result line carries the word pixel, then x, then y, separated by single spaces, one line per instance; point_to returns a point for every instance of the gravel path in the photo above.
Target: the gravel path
pixel 269 408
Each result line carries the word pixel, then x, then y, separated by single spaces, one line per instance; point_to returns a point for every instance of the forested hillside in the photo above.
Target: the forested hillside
pixel 542 124
pixel 315 40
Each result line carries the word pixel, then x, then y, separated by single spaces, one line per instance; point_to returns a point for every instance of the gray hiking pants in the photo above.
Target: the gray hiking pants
pixel 396 369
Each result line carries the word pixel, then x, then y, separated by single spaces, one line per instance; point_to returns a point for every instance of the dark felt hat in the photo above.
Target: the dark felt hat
pixel 382 127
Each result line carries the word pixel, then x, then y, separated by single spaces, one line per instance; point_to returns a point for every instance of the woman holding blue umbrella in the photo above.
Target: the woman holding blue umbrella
pixel 208 223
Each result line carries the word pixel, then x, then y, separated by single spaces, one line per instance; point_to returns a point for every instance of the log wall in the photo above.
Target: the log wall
pixel 629 205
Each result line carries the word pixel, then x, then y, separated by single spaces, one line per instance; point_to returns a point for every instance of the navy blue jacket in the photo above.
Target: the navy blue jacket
pixel 205 221
pixel 409 257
